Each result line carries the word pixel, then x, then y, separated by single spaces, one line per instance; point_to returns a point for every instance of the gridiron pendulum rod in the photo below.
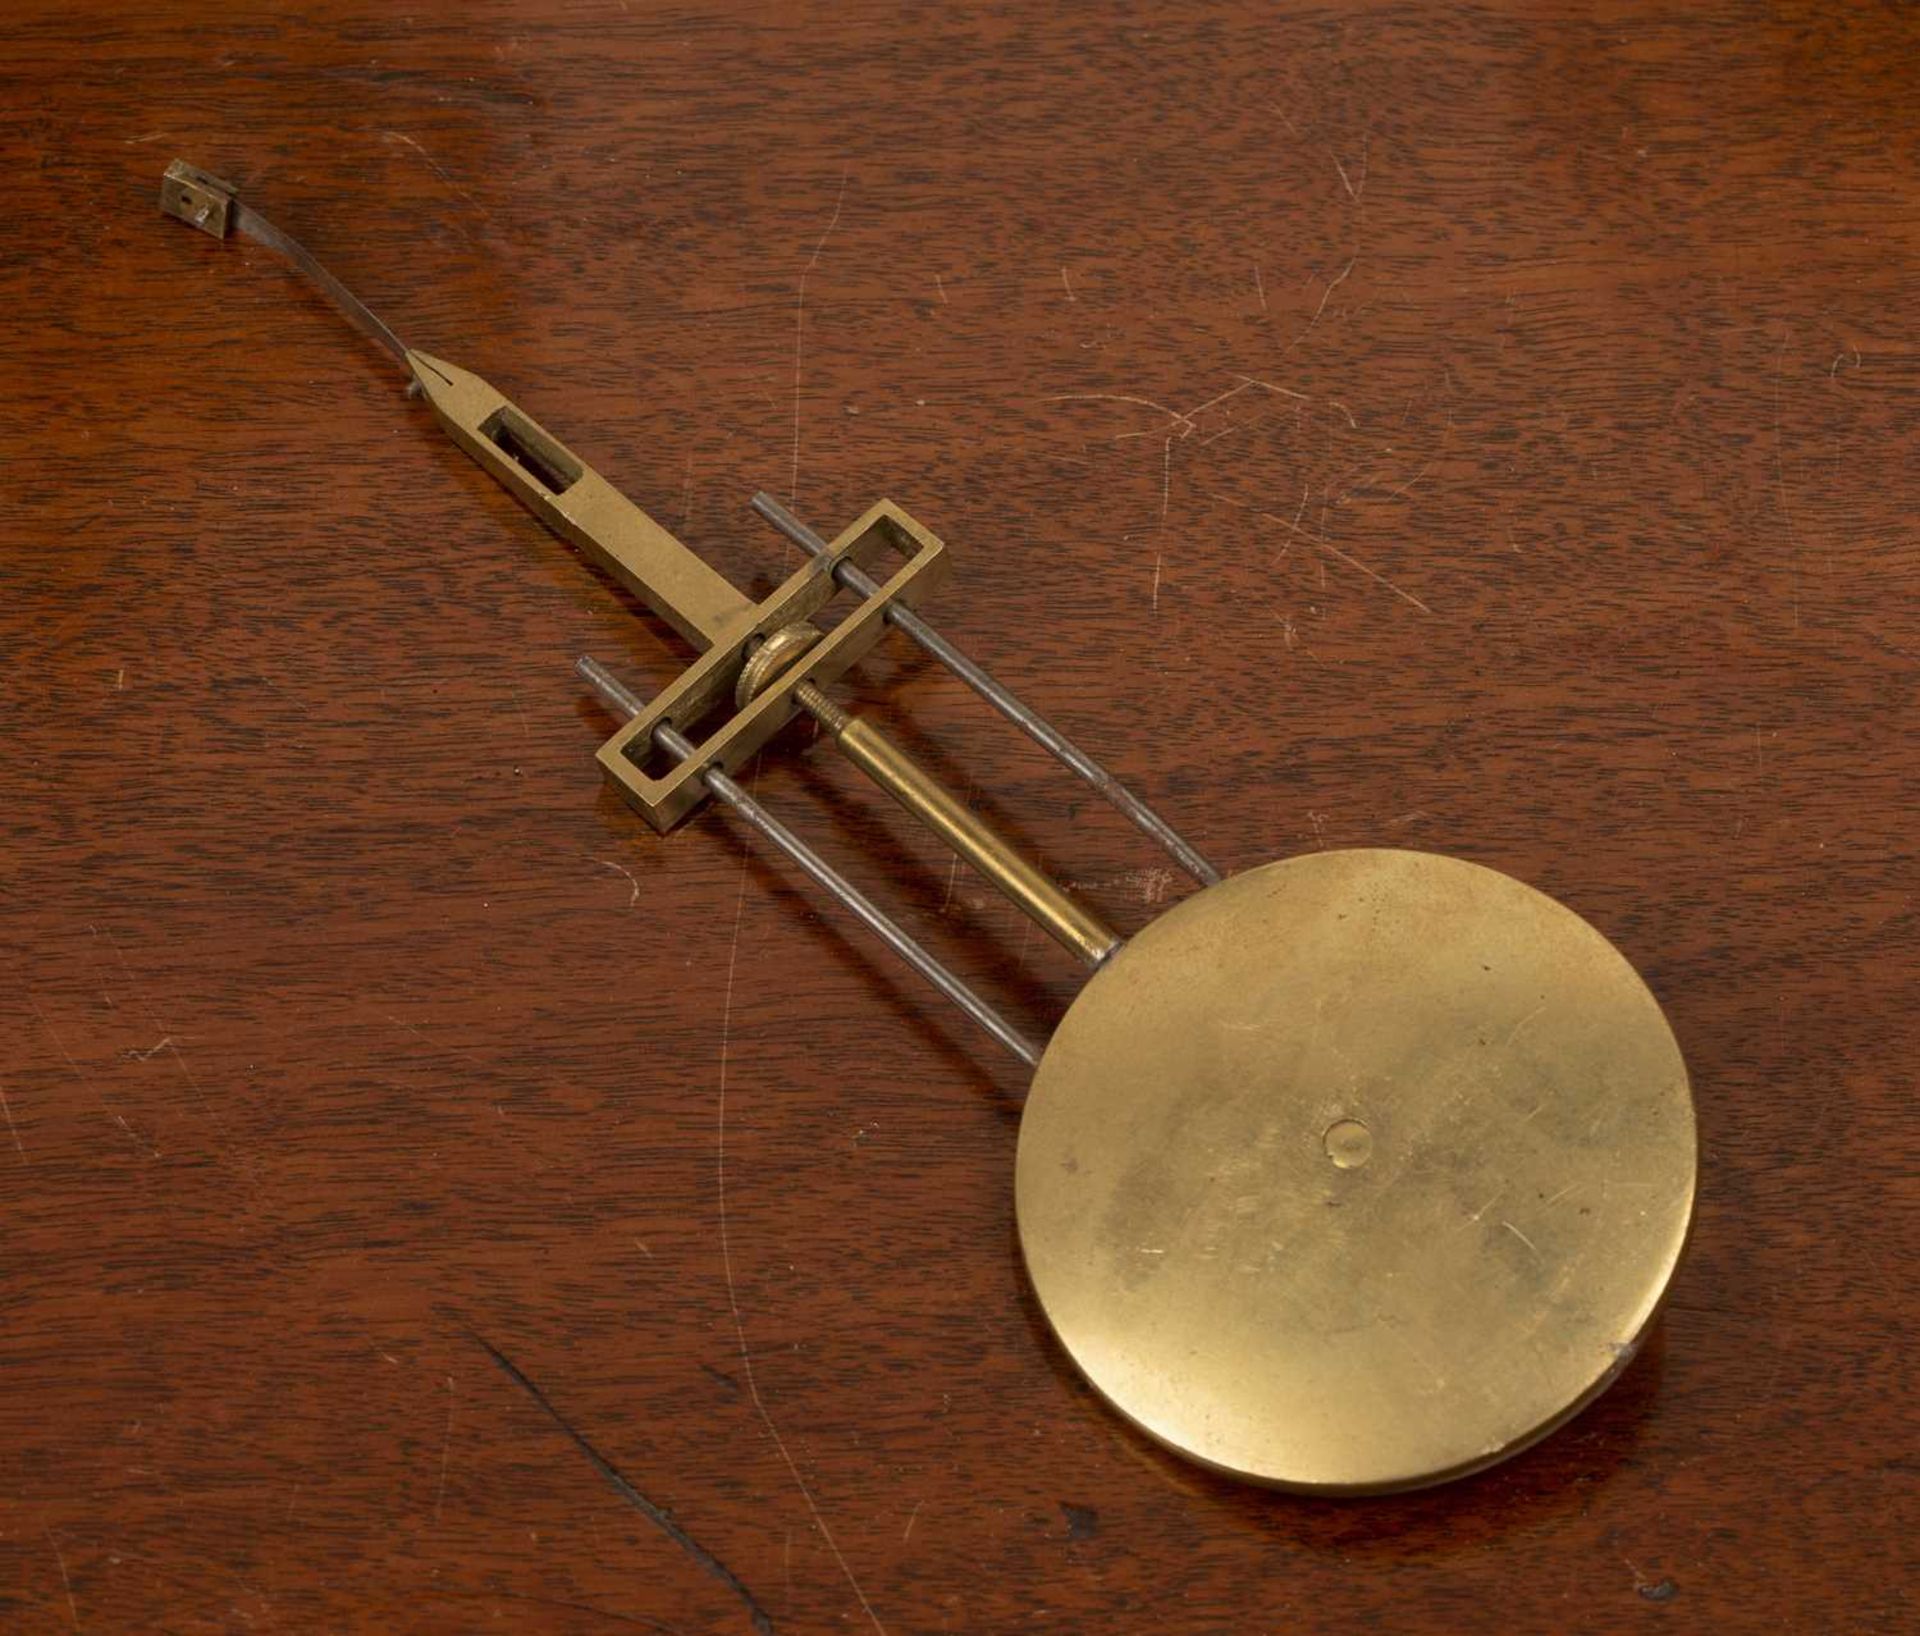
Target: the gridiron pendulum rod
pixel 619 697
pixel 1035 726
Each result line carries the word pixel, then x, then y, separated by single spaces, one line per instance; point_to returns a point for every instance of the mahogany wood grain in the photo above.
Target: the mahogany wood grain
pixel 433 1202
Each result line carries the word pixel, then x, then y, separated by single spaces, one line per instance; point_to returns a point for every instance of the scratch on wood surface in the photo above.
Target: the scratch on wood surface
pixel 1026 937
pixel 440 171
pixel 726 1257
pixel 1354 189
pixel 633 896
pixel 212 1112
pixel 1286 119
pixel 800 330
pixel 73 1607
pixel 1373 574
pixel 1115 397
pixel 1249 383
pixel 1181 423
pixel 1404 489
pixel 617 1481
pixel 73 1067
pixel 133 1136
pixel 1067 285
pixel 222 1133
pixel 1320 542
pixel 913 1516
pixel 13 1130
pixel 1260 287
pixel 1339 278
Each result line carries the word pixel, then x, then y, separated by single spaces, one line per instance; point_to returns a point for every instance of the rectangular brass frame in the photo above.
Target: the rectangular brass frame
pixel 707 682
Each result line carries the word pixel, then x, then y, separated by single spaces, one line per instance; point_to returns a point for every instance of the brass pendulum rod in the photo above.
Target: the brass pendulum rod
pixel 1070 924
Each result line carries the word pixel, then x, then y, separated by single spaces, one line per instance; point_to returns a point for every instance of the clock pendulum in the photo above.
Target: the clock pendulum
pixel 1353 1172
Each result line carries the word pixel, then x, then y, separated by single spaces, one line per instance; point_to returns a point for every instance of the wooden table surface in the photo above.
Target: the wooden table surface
pixel 434 1202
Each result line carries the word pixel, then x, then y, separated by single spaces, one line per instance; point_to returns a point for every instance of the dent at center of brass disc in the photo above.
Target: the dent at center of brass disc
pixel 1358 1171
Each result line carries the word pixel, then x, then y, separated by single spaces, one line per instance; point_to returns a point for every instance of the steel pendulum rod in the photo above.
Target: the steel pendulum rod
pixel 620 697
pixel 1035 726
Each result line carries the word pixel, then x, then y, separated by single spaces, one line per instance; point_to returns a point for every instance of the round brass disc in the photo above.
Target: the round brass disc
pixel 1358 1171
